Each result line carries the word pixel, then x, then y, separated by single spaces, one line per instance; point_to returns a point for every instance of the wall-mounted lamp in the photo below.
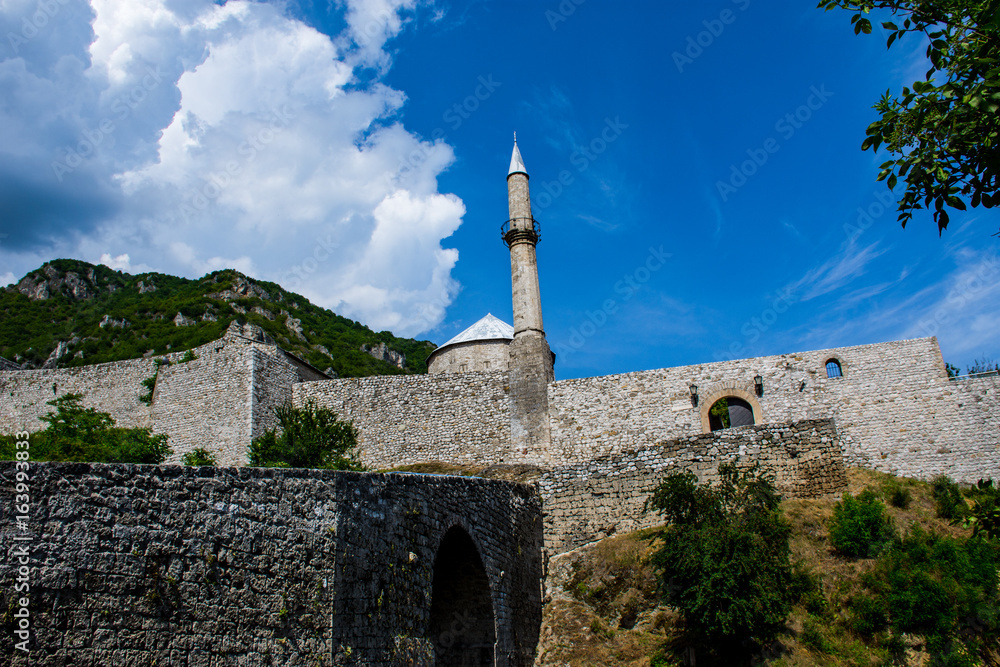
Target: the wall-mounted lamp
pixel 758 384
pixel 694 394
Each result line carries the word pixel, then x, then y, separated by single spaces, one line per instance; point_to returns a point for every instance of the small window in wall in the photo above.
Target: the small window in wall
pixel 833 369
pixel 463 368
pixel 730 412
pixel 486 365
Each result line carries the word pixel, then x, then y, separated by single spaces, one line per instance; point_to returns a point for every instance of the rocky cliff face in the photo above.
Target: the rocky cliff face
pixel 49 281
pixel 382 351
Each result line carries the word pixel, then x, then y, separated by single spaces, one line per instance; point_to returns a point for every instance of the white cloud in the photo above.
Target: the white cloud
pixel 233 136
pixel 7 279
pixel 834 273
pixel 119 263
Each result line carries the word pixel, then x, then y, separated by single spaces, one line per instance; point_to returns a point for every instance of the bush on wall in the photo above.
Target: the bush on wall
pixel 307 437
pixel 80 434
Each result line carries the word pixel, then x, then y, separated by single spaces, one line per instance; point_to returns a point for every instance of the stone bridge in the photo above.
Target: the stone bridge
pixel 168 565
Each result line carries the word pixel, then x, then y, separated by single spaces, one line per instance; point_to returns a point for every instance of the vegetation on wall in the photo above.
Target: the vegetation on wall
pixel 104 315
pixel 76 433
pixel 307 437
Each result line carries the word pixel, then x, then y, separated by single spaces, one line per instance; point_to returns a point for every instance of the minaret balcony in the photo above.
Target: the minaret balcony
pixel 520 230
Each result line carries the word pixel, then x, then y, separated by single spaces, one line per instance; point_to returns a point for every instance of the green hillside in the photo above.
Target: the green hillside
pixel 100 315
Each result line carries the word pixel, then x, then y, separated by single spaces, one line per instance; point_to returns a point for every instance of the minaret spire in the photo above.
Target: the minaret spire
pixel 530 357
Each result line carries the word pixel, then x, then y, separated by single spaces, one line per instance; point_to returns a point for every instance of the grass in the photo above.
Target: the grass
pixel 602 607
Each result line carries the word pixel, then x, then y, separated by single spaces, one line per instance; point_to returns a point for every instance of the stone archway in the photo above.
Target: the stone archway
pixel 744 395
pixel 462 625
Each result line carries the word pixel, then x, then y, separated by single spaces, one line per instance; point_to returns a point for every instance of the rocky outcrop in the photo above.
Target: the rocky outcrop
pixel 181 321
pixel 109 321
pixel 243 288
pixel 294 325
pixel 144 288
pixel 49 281
pixel 62 348
pixel 382 351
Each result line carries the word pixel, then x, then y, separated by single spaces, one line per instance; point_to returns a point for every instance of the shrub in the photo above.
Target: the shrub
pixel 860 526
pixel 984 515
pixel 307 437
pixel 199 457
pixel 898 494
pixel 948 500
pixel 937 586
pixel 724 563
pixel 76 433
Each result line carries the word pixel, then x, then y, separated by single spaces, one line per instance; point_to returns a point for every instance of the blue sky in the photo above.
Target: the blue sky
pixel 696 168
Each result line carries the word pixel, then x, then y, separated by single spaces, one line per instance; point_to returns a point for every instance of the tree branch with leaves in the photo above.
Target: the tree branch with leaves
pixel 943 132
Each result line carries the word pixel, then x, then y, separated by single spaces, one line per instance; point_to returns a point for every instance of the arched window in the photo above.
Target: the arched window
pixel 462 627
pixel 833 369
pixel 730 412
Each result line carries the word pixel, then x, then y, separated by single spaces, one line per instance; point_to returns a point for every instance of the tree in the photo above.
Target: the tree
pixel 76 433
pixel 724 563
pixel 307 437
pixel 944 133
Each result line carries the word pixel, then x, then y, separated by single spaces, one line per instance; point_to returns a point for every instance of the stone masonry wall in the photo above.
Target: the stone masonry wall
pixel 114 388
pixel 477 355
pixel 462 418
pixel 219 400
pixel 592 500
pixel 206 403
pixel 894 406
pixel 144 565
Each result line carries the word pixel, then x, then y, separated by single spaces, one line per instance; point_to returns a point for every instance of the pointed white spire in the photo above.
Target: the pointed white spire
pixel 516 163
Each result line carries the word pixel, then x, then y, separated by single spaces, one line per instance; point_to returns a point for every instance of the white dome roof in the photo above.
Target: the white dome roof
pixel 488 328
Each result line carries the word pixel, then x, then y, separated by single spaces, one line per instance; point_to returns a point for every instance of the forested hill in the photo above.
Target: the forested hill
pixel 71 313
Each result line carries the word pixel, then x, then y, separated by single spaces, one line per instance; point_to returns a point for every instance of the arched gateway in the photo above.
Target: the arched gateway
pixel 462 625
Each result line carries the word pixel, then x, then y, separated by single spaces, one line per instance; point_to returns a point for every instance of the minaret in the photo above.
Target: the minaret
pixel 530 357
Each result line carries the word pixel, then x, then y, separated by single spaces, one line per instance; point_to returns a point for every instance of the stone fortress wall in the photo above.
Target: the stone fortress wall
pixel 595 499
pixel 894 408
pixel 220 400
pixel 144 565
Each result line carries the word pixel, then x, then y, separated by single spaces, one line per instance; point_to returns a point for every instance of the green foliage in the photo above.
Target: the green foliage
pixel 76 433
pixel 948 500
pixel 953 371
pixel 30 329
pixel 982 366
pixel 724 563
pixel 199 457
pixel 897 493
pixel 944 133
pixel 860 526
pixel 307 437
pixel 720 411
pixel 936 586
pixel 984 516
